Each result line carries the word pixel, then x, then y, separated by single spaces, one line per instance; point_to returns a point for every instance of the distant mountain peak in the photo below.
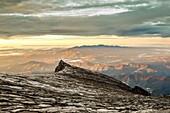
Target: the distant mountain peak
pixel 99 46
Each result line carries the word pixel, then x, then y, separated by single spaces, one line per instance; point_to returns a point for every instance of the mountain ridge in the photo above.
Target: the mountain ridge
pixel 159 85
pixel 29 67
pixel 98 76
pixel 99 46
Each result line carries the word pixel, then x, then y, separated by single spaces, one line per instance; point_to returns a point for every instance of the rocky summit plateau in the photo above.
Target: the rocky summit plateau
pixel 72 89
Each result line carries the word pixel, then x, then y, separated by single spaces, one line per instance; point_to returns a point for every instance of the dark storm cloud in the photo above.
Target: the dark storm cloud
pixel 157 30
pixel 140 31
pixel 10 2
pixel 86 18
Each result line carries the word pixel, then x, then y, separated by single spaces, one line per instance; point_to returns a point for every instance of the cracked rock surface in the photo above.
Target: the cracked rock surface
pixel 73 90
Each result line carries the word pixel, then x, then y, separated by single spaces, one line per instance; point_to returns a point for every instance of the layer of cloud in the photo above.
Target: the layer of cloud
pixel 73 13
pixel 85 18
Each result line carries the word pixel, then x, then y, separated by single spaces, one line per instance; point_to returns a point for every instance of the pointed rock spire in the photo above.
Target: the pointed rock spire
pixel 61 66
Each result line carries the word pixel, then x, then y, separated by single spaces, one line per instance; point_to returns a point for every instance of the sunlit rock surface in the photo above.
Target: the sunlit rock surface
pixel 72 89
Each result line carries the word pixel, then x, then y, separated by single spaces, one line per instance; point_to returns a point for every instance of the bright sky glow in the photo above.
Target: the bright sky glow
pixel 49 41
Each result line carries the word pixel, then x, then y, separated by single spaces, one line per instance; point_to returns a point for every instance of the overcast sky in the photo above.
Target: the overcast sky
pixel 124 18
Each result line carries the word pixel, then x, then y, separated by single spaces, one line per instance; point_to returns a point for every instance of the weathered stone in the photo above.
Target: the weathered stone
pixel 73 90
pixel 141 91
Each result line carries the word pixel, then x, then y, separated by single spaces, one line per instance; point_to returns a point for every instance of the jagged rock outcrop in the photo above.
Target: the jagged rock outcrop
pixel 139 90
pixel 73 90
pixel 61 66
pixel 87 74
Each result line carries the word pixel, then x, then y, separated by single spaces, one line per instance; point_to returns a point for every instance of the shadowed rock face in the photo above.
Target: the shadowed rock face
pixel 74 90
pixel 141 91
pixel 61 66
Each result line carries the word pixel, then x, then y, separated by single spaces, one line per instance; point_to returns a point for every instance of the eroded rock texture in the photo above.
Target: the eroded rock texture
pixel 73 89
